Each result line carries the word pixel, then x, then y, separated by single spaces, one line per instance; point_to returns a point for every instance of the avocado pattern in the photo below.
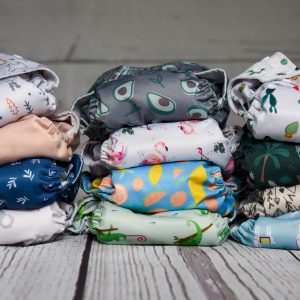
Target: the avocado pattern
pixel 160 104
pixel 124 92
pixel 198 112
pixel 190 86
pixel 102 109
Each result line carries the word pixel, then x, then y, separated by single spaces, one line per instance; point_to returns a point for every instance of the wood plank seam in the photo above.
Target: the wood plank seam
pixel 82 274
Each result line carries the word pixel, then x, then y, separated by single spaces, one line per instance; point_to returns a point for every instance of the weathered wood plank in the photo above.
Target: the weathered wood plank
pixel 231 271
pixel 228 30
pixel 47 271
pixel 256 273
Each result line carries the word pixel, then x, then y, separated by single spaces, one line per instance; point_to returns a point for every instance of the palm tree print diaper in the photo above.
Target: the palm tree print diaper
pixel 128 96
pixel 266 163
pixel 165 187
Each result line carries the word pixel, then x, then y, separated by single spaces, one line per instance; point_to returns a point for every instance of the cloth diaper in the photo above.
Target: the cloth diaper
pixel 37 182
pixel 129 96
pixel 266 163
pixel 281 232
pixel 34 136
pixel 29 227
pixel 26 87
pixel 116 225
pixel 164 187
pixel 267 96
pixel 273 202
pixel 165 142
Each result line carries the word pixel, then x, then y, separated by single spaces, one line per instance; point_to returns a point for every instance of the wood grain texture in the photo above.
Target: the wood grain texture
pixel 47 271
pixel 140 30
pixel 231 271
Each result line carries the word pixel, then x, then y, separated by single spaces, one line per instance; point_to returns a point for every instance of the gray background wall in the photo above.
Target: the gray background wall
pixel 81 39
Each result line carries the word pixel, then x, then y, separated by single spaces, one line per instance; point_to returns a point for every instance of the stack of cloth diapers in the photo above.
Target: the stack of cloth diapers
pixel 39 174
pixel 267 96
pixel 160 159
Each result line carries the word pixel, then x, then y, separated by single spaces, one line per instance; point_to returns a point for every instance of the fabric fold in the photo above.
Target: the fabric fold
pixel 34 136
pixel 164 187
pixel 129 96
pixel 164 142
pixel 37 182
pixel 116 225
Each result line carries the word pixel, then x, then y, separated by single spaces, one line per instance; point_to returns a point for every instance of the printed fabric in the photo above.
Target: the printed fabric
pixel 129 96
pixel 34 136
pixel 165 142
pixel 37 182
pixel 266 163
pixel 112 224
pixel 27 227
pixel 26 87
pixel 272 202
pixel 164 187
pixel 281 232
pixel 267 96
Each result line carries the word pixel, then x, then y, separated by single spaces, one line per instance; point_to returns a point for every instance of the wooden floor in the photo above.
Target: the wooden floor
pixel 78 267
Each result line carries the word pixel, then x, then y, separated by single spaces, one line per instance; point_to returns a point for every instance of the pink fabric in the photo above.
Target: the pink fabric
pixel 34 136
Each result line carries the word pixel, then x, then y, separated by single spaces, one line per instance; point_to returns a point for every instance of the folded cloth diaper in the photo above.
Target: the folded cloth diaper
pixel 34 136
pixel 281 232
pixel 165 142
pixel 38 182
pixel 272 202
pixel 267 96
pixel 26 87
pixel 266 163
pixel 29 227
pixel 116 225
pixel 164 187
pixel 128 96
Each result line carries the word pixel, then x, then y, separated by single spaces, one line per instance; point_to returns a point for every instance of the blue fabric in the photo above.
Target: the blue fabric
pixel 281 232
pixel 37 182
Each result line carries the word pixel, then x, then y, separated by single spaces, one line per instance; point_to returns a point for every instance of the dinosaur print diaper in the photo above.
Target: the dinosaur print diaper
pixel 112 224
pixel 129 96
pixel 267 96
pixel 37 182
pixel 26 87
pixel 165 142
pixel 27 227
pixel 281 232
pixel 164 187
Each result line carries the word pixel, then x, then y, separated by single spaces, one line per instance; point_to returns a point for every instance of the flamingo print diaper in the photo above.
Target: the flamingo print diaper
pixel 281 232
pixel 117 225
pixel 26 87
pixel 129 96
pixel 165 142
pixel 165 187
pixel 267 96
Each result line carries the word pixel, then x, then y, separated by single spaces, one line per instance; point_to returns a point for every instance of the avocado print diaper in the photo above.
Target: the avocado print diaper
pixel 26 87
pixel 165 142
pixel 266 163
pixel 281 232
pixel 27 227
pixel 37 182
pixel 129 96
pixel 164 187
pixel 267 96
pixel 117 225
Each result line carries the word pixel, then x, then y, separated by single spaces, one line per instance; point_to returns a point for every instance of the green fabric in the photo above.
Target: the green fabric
pixel 266 163
pixel 117 225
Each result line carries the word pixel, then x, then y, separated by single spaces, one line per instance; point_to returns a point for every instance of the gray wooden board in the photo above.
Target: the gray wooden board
pixel 48 271
pixel 231 271
pixel 147 30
